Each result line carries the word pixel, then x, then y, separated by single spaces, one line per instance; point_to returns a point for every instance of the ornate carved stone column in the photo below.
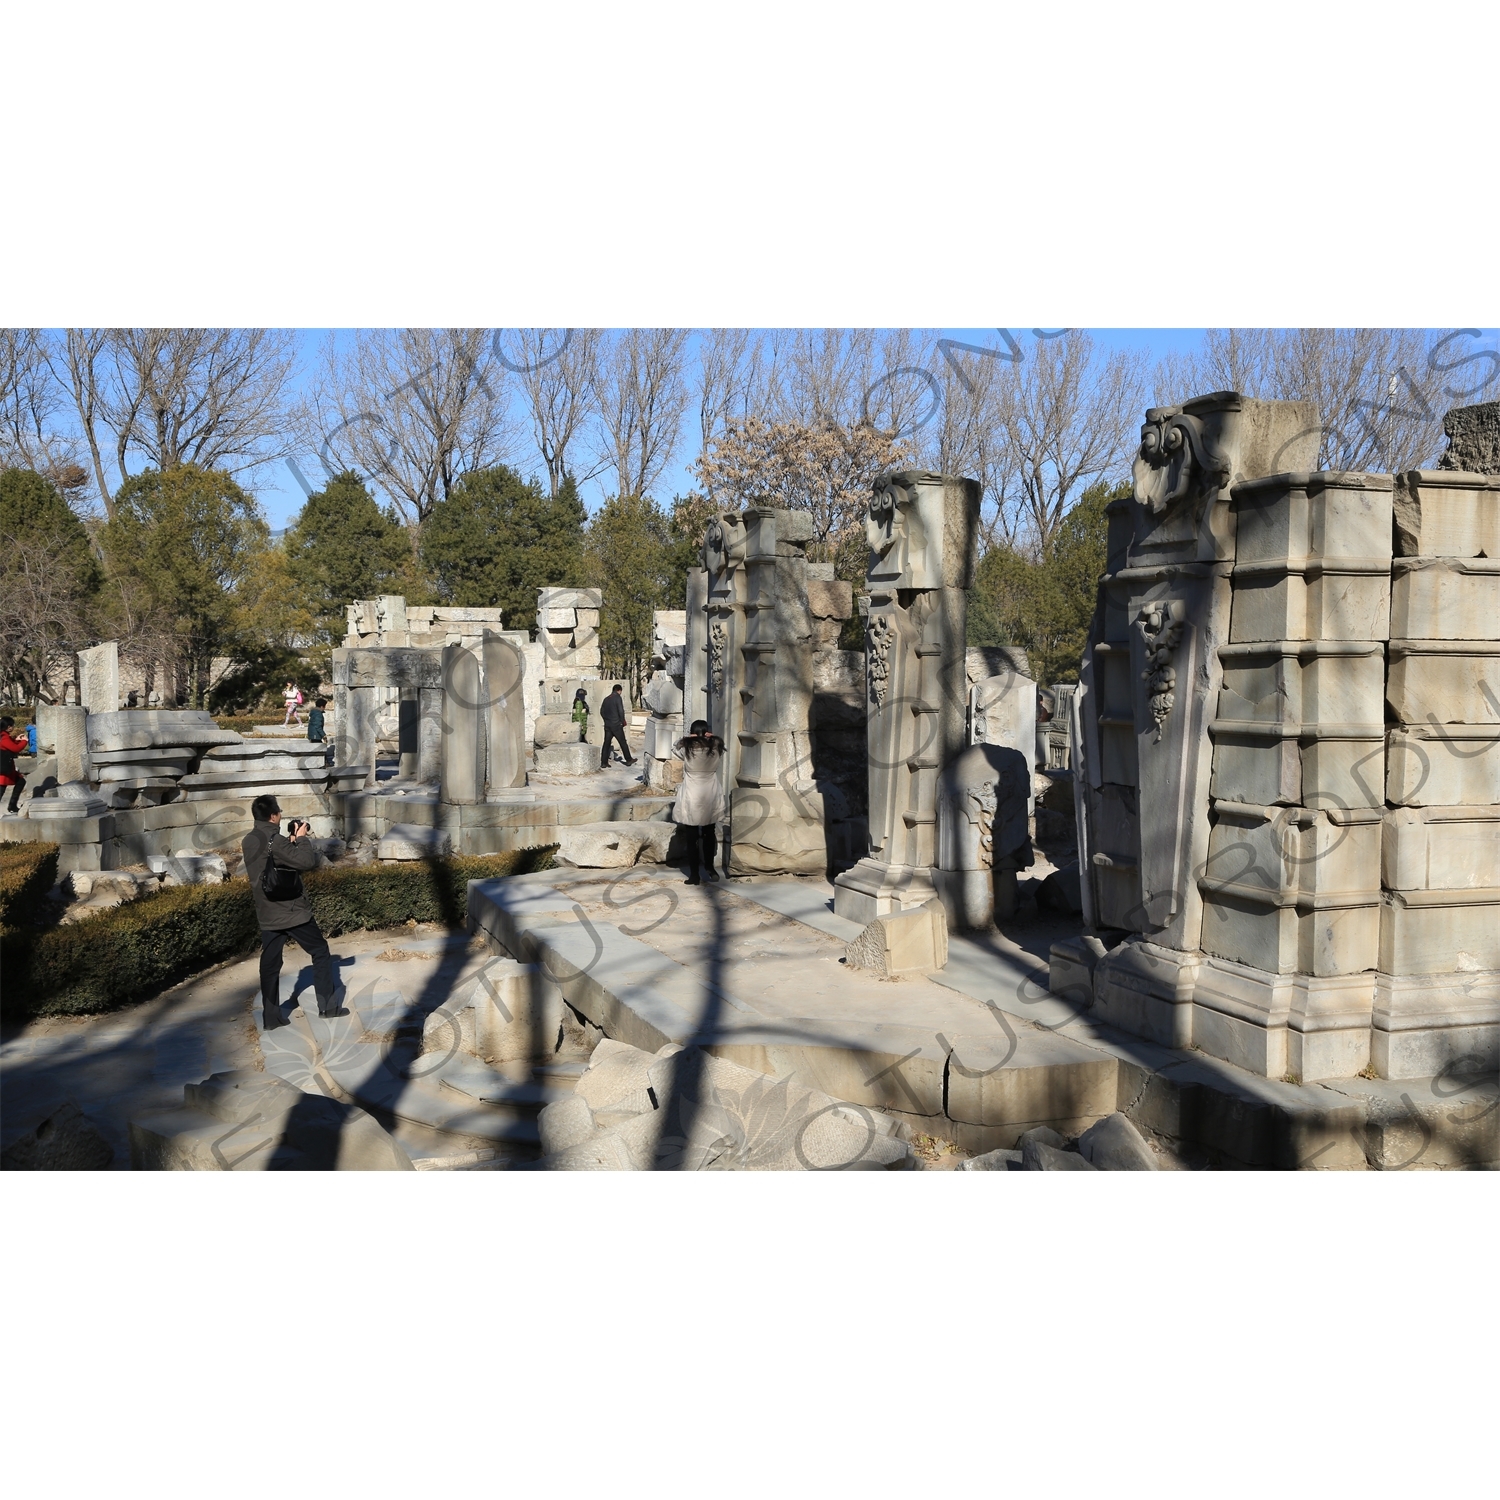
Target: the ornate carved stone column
pixel 921 529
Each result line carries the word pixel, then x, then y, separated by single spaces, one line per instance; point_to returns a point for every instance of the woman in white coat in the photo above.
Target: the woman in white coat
pixel 700 799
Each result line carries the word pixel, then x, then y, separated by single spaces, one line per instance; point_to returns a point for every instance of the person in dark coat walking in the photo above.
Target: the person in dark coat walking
pixel 613 715
pixel 286 912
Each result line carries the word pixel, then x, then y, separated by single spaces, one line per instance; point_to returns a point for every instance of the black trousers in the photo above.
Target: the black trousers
pixel 310 939
pixel 611 734
pixel 703 846
pixel 16 788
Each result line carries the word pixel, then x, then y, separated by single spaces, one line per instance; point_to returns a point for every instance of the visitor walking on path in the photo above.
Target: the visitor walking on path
pixel 613 714
pixel 11 745
pixel 292 696
pixel 699 808
pixel 581 714
pixel 275 864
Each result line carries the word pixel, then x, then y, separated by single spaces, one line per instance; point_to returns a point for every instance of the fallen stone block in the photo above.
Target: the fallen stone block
pixel 615 1073
pixel 1032 1142
pixel 412 841
pixel 186 868
pixel 66 1141
pixel 1115 1145
pixel 555 729
pixel 992 1161
pixel 908 942
pixel 568 1122
pixel 606 846
pixel 1036 1156
pixel 567 760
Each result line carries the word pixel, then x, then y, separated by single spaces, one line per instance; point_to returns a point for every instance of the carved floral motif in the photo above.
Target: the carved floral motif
pixel 718 636
pixel 984 799
pixel 1161 625
pixel 881 633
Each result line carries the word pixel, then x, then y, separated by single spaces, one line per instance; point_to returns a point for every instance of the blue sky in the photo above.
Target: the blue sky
pixel 282 496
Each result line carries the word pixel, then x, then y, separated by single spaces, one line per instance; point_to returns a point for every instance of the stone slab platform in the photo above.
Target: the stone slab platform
pixel 753 970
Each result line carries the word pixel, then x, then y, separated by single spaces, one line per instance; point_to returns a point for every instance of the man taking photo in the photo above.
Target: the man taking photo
pixel 275 864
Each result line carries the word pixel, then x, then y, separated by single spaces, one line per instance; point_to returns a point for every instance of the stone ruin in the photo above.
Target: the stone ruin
pixel 388 622
pixel 1288 751
pixel 762 626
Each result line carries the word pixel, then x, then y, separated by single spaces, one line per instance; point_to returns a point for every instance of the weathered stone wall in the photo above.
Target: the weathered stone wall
pixel 1290 748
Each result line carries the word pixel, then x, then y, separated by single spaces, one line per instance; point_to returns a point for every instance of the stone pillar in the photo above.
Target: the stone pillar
pixel 922 530
pixel 695 656
pixel 99 677
pixel 409 710
pixel 66 732
pixel 505 703
pixel 430 736
pixel 357 743
pixel 463 749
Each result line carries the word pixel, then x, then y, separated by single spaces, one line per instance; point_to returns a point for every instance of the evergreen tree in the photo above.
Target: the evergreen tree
pixel 49 583
pixel 632 557
pixel 1046 604
pixel 343 547
pixel 182 542
pixel 497 539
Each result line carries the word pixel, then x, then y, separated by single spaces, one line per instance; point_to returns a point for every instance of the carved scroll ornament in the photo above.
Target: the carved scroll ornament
pixel 1177 462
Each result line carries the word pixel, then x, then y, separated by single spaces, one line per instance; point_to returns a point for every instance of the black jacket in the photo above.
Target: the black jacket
pixel 613 712
pixel 263 842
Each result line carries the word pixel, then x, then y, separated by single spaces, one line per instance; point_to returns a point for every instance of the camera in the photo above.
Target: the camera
pixel 299 827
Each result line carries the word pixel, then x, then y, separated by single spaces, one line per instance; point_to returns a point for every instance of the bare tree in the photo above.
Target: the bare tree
pixel 44 610
pixel 210 396
pixel 30 403
pixel 1380 392
pixel 641 396
pixel 736 379
pixel 80 355
pixel 555 369
pixel 1065 417
pixel 412 408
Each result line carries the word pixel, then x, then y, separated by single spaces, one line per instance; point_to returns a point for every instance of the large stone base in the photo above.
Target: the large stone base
pixel 773 832
pixel 872 889
pixel 1426 1023
pixel 1148 991
pixel 1273 1025
pixel 1283 1025
pixel 568 760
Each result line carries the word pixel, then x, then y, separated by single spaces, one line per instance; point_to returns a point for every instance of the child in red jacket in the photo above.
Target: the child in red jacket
pixel 11 745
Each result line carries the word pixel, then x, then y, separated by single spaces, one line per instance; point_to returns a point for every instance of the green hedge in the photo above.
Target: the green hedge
pixel 130 952
pixel 27 873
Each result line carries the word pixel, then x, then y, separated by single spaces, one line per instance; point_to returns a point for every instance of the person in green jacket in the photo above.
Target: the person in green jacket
pixel 315 722
pixel 581 714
